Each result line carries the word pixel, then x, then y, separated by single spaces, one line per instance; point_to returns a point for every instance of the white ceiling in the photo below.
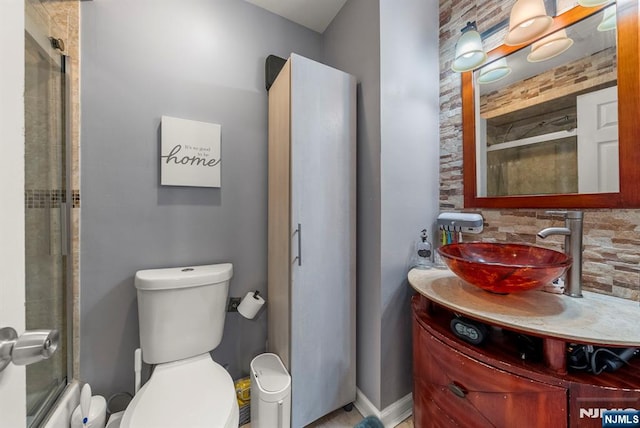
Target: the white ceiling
pixel 313 14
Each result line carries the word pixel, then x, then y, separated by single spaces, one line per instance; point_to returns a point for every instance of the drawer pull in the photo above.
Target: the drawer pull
pixel 457 390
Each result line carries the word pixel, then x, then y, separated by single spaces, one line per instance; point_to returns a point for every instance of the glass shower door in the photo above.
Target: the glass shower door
pixel 45 212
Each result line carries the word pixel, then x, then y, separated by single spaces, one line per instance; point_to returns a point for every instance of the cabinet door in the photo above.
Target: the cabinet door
pixel 323 239
pixel 450 387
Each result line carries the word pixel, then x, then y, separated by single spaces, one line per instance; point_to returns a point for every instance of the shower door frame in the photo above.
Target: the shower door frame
pixel 40 30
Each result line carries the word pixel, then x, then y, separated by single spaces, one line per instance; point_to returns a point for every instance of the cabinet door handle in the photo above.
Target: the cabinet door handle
pixel 299 256
pixel 457 390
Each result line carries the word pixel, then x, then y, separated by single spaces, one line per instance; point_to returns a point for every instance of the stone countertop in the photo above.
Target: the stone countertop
pixel 594 319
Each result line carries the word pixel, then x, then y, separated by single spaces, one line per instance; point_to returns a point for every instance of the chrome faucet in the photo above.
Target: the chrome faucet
pixel 572 232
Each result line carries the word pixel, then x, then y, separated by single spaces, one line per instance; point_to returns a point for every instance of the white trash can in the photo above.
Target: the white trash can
pixel 270 393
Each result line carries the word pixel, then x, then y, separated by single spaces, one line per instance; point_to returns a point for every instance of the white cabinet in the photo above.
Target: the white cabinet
pixel 311 260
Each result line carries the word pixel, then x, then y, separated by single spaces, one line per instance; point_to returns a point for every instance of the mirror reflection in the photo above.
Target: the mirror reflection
pixel 548 116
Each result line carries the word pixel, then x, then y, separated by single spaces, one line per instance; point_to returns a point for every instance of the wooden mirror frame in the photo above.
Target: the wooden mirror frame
pixel 628 64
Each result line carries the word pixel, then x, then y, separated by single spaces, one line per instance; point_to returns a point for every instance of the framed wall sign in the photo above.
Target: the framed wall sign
pixel 189 153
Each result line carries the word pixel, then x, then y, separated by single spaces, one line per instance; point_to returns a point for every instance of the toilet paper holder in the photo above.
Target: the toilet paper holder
pixel 28 348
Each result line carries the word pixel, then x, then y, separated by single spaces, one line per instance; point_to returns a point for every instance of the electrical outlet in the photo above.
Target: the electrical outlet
pixel 233 304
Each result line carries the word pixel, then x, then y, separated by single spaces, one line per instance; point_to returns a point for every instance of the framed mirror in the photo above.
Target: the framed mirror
pixel 557 128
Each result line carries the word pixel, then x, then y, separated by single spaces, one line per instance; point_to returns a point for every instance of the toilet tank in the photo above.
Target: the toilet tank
pixel 181 311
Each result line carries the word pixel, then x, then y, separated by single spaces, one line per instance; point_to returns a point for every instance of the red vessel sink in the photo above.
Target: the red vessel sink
pixel 504 268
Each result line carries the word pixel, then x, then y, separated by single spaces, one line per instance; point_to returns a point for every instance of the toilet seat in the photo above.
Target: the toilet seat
pixel 192 393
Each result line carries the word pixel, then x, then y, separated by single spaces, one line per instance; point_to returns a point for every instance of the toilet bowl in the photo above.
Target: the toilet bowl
pixel 181 313
pixel 194 393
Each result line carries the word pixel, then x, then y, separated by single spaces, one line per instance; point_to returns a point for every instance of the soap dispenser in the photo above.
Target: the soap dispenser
pixel 422 255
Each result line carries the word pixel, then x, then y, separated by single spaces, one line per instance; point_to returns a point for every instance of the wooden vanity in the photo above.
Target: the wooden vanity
pixel 491 385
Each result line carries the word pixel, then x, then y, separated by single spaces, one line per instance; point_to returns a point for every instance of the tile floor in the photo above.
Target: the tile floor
pixel 343 419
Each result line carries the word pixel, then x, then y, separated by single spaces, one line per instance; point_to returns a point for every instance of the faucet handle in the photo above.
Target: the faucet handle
pixel 576 215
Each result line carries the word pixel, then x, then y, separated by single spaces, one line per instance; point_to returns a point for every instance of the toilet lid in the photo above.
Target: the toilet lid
pixel 196 392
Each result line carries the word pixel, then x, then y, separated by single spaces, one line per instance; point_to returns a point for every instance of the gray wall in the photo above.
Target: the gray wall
pixel 409 169
pixel 352 44
pixel 204 60
pixel 392 47
pixel 193 59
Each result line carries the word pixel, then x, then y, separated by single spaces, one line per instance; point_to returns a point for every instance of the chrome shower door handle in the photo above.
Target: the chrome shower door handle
pixel 47 224
pixel 8 337
pixel 30 347
pixel 64 241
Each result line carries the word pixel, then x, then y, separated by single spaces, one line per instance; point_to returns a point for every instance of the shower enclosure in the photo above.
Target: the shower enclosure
pixel 46 212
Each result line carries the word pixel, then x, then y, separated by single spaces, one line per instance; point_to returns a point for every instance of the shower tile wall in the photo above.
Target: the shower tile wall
pixel 611 237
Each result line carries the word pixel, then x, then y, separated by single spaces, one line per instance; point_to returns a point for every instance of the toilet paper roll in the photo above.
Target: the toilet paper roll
pixel 33 346
pixel 250 304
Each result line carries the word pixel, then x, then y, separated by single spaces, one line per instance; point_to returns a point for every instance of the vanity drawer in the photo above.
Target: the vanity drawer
pixel 428 403
pixel 451 387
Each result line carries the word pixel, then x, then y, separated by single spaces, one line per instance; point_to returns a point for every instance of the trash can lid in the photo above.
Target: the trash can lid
pixel 270 373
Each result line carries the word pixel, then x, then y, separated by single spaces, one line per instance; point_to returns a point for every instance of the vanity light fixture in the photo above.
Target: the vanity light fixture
pixel 495 71
pixel 550 46
pixel 592 3
pixel 527 21
pixel 469 51
pixel 609 19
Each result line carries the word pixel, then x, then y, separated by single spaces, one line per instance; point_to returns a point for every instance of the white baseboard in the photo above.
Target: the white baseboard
pixel 364 406
pixel 390 416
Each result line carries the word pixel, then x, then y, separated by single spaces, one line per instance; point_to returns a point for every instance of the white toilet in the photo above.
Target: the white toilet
pixel 181 314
